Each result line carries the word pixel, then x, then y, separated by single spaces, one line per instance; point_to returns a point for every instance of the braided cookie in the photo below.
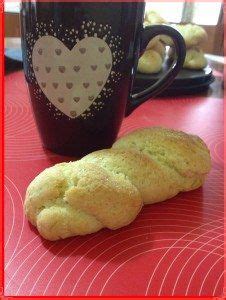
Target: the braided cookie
pixel 185 158
pixel 194 35
pixel 79 198
pixel 147 175
pixel 158 47
pixel 150 62
pixel 108 188
pixel 152 17
pixel 195 59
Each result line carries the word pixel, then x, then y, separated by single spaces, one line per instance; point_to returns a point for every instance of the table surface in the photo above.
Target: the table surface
pixel 172 248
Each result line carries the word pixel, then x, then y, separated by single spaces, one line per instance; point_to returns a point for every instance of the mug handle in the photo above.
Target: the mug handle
pixel 149 33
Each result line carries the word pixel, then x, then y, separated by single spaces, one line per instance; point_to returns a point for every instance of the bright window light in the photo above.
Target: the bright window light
pixel 206 13
pixel 12 7
pixel 170 11
pixel 202 13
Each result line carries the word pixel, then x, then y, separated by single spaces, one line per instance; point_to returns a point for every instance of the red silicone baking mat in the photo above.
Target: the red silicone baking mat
pixel 172 248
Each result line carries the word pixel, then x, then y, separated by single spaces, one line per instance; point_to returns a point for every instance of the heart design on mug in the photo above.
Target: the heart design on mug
pixel 67 77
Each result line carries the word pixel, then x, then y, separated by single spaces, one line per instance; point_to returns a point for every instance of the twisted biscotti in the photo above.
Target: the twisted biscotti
pixel 184 158
pixel 78 198
pixel 144 173
pixel 194 59
pixel 107 188
pixel 150 62
pixel 195 38
pixel 152 59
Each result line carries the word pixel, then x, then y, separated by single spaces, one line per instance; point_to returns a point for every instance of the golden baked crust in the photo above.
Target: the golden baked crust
pixel 152 17
pixel 107 188
pixel 158 47
pixel 152 42
pixel 185 158
pixel 193 35
pixel 143 172
pixel 79 198
pixel 195 59
pixel 150 62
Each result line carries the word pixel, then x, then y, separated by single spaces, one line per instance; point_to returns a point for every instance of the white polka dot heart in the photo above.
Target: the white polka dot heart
pixel 71 79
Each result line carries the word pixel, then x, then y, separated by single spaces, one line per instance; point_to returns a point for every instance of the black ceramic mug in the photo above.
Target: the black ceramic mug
pixel 80 60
